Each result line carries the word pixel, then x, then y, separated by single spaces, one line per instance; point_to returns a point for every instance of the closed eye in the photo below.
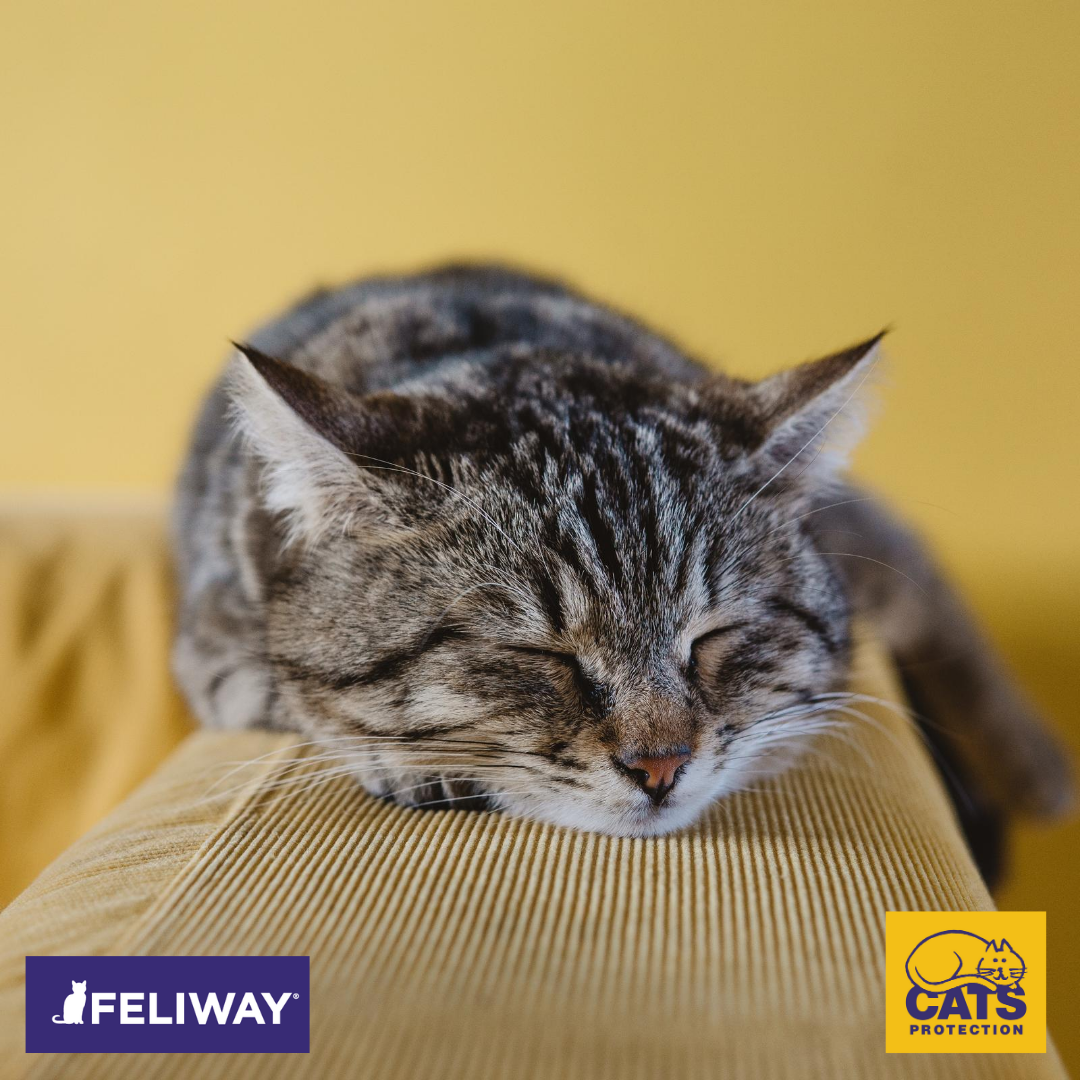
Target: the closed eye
pixel 717 634
pixel 569 659
pixel 713 637
pixel 593 694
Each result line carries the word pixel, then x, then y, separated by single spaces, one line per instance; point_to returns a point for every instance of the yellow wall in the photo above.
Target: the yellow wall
pixel 766 180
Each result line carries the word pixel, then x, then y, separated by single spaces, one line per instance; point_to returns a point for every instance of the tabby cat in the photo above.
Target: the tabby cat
pixel 496 545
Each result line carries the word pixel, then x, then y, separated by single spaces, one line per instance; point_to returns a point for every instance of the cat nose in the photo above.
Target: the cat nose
pixel 656 776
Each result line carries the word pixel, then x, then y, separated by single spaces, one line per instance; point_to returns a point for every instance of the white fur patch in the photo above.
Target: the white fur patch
pixel 308 479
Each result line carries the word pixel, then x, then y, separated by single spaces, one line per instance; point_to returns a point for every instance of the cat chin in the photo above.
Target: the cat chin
pixel 636 823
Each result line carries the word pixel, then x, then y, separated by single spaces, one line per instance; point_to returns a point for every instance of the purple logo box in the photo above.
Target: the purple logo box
pixel 168 1004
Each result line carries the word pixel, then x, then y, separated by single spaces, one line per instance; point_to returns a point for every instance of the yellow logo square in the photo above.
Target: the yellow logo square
pixel 965 982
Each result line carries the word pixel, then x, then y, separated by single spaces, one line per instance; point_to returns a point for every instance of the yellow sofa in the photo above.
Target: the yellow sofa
pixel 443 944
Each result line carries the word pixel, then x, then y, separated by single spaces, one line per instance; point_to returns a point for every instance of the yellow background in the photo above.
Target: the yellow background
pixel 1026 933
pixel 765 180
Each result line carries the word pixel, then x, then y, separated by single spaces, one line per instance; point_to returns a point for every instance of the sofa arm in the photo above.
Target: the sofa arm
pixel 450 944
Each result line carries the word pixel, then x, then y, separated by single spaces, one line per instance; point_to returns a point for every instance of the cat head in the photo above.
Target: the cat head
pixel 554 584
pixel 78 987
pixel 1001 963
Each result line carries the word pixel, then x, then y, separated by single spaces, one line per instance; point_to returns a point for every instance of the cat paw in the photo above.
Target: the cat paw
pixel 434 793
pixel 1039 772
pixel 1048 789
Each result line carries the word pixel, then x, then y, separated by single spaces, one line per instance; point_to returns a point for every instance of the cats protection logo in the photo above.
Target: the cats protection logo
pixel 167 1004
pixel 965 982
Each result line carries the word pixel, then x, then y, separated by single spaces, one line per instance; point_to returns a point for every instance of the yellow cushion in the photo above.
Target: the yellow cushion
pixel 87 708
pixel 450 944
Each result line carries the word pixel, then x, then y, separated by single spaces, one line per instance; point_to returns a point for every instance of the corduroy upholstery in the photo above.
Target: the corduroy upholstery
pixel 450 944
pixel 443 944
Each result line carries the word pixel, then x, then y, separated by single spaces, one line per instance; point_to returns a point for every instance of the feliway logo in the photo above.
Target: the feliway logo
pixel 167 1004
pixel 961 989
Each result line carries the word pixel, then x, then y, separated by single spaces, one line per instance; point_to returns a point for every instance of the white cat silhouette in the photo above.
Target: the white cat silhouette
pixel 74 1004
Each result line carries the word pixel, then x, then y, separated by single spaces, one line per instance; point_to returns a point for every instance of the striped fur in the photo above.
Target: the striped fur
pixel 485 538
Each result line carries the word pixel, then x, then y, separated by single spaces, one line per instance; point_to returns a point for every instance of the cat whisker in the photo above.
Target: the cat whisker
pixel 817 510
pixel 853 502
pixel 239 765
pixel 807 749
pixel 347 763
pixel 933 751
pixel 903 711
pixel 879 562
pixel 465 798
pixel 296 786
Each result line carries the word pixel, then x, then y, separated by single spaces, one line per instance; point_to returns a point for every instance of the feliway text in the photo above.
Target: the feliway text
pixel 167 1004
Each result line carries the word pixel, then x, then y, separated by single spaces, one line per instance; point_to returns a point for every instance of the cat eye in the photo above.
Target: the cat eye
pixel 715 635
pixel 710 638
pixel 593 694
pixel 568 659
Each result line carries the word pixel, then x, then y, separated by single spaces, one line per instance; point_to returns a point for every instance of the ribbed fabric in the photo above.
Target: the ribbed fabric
pixel 450 944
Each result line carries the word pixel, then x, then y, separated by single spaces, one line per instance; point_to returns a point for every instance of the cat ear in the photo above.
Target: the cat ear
pixel 315 440
pixel 814 414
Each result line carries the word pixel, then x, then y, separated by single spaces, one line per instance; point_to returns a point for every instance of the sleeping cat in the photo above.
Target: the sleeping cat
pixel 955 958
pixel 496 545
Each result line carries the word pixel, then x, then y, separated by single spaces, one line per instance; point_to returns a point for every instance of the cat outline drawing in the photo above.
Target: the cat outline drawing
pixel 953 958
pixel 74 1004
